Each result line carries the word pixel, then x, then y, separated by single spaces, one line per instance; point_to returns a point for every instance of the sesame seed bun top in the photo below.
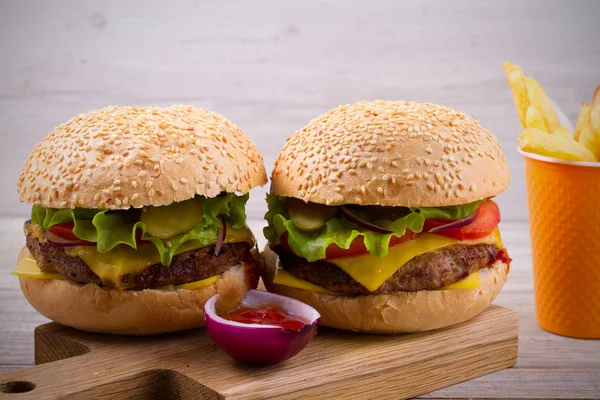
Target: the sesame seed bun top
pixel 119 157
pixel 391 153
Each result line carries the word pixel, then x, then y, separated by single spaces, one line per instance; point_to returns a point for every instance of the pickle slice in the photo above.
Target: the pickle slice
pixel 309 216
pixel 165 222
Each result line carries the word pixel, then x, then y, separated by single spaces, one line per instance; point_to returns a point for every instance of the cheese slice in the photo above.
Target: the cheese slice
pixel 192 285
pixel 28 268
pixel 372 272
pixel 282 277
pixel 122 260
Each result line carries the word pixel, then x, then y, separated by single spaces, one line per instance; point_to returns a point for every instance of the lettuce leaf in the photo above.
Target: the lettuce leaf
pixel 109 229
pixel 449 212
pixel 338 230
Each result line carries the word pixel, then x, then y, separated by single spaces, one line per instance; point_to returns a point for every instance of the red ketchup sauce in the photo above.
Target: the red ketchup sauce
pixel 504 257
pixel 265 316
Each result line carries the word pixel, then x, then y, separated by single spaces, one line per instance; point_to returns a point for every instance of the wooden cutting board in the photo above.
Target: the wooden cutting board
pixel 336 364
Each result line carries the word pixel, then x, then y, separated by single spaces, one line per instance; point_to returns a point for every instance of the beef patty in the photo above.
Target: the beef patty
pixel 428 271
pixel 186 267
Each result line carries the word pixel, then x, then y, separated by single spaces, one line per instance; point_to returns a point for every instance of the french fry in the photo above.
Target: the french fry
pixel 590 140
pixel 535 119
pixel 596 97
pixel 583 120
pixel 595 119
pixel 516 81
pixel 557 146
pixel 562 131
pixel 588 125
pixel 537 96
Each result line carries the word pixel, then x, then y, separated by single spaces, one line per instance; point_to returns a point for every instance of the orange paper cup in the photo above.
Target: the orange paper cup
pixel 564 222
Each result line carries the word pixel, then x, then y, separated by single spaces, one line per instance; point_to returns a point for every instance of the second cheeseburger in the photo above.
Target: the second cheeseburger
pixel 380 216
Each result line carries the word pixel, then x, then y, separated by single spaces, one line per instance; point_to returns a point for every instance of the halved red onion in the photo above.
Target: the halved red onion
pixel 460 223
pixel 261 344
pixel 220 236
pixel 361 222
pixel 62 242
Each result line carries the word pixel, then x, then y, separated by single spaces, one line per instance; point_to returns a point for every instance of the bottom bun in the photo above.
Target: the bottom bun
pixel 395 312
pixel 89 307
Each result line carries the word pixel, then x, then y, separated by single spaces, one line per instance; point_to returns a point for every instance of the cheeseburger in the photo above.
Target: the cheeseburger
pixel 381 217
pixel 138 217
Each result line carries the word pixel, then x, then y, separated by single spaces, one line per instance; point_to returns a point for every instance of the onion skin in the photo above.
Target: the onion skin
pixel 60 242
pixel 461 223
pixel 220 236
pixel 260 344
pixel 362 223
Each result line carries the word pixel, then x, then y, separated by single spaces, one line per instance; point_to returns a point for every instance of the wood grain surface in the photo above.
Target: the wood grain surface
pixel 335 365
pixel 271 66
pixel 548 366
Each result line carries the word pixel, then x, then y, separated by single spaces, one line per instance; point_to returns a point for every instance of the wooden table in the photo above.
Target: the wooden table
pixel 549 366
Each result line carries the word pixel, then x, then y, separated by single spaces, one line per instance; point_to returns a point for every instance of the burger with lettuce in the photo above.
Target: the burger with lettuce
pixel 138 217
pixel 381 217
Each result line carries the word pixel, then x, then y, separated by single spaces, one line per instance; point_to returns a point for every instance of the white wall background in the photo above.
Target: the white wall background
pixel 271 66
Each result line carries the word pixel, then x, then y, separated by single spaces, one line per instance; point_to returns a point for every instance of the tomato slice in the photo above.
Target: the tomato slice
pixel 357 247
pixel 64 230
pixel 487 219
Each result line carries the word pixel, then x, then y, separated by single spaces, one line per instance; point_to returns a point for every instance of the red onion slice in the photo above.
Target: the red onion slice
pixel 261 344
pixel 220 236
pixel 460 223
pixel 57 241
pixel 362 223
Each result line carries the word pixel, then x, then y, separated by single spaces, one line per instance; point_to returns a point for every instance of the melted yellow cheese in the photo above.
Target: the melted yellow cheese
pixel 282 277
pixel 372 272
pixel 122 260
pixel 28 268
pixel 192 285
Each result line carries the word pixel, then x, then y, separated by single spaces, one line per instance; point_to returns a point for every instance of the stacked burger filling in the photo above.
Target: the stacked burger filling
pixel 151 247
pixel 363 250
